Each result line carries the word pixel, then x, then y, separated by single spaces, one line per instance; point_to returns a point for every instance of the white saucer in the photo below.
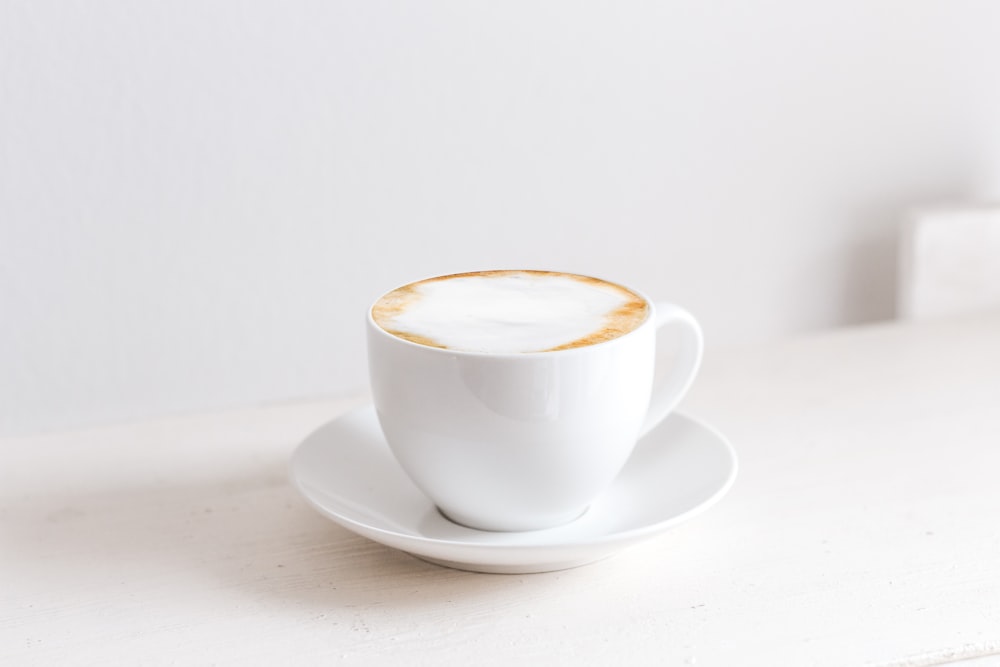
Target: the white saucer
pixel 345 469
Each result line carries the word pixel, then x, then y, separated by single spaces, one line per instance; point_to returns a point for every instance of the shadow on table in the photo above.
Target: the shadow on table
pixel 251 537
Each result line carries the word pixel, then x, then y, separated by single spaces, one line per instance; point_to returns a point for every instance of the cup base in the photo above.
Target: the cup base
pixel 539 523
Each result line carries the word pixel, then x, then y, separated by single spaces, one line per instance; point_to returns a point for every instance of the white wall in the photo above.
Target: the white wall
pixel 198 200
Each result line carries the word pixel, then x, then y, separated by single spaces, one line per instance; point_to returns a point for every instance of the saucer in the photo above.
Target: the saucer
pixel 346 470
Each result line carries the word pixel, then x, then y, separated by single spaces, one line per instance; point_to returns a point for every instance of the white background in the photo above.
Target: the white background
pixel 198 200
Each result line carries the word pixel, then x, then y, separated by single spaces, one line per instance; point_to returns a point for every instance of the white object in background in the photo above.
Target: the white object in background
pixel 949 262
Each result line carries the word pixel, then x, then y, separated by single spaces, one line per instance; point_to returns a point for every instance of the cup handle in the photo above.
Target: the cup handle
pixel 672 388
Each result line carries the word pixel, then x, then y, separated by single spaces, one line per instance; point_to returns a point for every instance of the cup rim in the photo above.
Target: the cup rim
pixel 648 321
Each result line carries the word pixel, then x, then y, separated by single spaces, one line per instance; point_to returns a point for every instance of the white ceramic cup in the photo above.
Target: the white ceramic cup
pixel 525 441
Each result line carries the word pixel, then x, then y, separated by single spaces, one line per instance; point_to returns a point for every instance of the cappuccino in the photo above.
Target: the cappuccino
pixel 510 311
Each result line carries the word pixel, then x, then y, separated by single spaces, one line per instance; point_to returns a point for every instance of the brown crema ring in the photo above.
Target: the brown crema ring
pixel 618 322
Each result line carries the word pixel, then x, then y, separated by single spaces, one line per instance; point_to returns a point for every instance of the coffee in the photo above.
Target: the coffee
pixel 510 311
pixel 500 435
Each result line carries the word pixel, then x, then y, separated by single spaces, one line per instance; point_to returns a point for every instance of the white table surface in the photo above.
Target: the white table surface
pixel 864 529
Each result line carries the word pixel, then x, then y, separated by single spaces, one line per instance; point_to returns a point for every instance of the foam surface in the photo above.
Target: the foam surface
pixel 510 311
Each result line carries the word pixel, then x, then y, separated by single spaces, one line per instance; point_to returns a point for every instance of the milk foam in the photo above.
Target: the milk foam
pixel 510 311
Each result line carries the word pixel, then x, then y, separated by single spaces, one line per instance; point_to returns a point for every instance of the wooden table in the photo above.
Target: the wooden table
pixel 864 529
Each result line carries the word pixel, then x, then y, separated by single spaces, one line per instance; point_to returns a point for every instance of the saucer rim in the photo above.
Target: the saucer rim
pixel 606 540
